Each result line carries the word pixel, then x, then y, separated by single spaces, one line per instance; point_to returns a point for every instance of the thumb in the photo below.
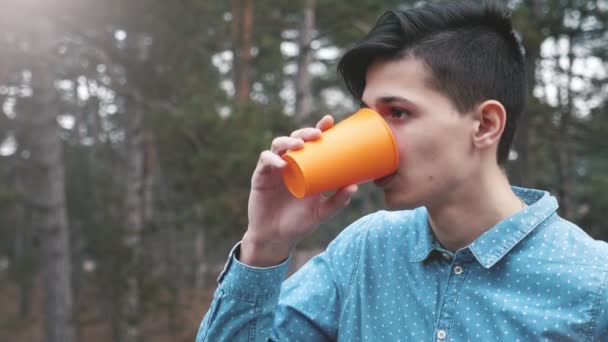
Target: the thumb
pixel 329 206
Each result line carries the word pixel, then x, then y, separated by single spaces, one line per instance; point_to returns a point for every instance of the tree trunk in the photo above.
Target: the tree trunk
pixel 242 35
pixel 129 330
pixel 49 203
pixel 526 141
pixel 303 78
pixel 172 277
pixel 149 176
pixel 22 265
pixel 235 34
pixel 201 266
pixel 22 261
pixel 24 280
pixel 171 262
pixel 563 146
pixel 78 242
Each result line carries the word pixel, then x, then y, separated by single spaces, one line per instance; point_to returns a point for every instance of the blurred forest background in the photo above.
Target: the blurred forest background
pixel 129 131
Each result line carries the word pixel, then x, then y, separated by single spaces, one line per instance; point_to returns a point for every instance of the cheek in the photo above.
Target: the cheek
pixel 429 159
pixel 419 162
pixel 423 151
pixel 430 152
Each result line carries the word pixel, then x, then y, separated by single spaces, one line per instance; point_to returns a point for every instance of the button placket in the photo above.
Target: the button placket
pixel 455 280
pixel 446 256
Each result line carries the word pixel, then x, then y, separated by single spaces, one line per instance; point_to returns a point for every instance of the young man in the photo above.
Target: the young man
pixel 462 255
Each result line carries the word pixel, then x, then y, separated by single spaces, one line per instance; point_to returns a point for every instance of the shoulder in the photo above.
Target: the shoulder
pixel 571 242
pixel 380 224
pixel 583 262
pixel 379 229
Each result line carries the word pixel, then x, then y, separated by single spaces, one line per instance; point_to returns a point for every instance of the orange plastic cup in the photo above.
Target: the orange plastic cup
pixel 358 149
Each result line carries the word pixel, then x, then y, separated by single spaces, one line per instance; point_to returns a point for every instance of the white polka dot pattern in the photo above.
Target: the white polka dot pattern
pixel 531 277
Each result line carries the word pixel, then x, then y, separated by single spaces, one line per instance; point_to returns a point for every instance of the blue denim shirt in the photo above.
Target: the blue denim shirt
pixel 531 277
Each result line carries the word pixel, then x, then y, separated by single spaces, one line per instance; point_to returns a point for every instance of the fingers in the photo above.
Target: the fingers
pixel 297 138
pixel 269 160
pixel 306 134
pixel 281 144
pixel 325 123
pixel 339 200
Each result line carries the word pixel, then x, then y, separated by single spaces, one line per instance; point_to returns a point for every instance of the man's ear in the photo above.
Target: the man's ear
pixel 490 121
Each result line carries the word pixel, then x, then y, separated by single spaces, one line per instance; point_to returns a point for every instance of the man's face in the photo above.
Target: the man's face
pixel 435 142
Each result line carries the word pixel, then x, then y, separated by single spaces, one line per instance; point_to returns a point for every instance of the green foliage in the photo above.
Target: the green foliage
pixel 592 174
pixel 216 158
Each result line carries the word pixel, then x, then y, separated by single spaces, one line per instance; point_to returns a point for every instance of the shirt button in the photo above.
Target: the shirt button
pixel 441 334
pixel 457 269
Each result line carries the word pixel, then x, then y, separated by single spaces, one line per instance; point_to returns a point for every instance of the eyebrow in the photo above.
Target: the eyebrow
pixel 388 99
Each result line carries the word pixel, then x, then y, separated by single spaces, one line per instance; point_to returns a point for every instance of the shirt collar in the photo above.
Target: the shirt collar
pixel 426 240
pixel 494 244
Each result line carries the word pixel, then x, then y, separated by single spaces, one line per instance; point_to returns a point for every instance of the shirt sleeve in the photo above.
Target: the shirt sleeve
pixel 243 304
pixel 601 326
pixel 251 304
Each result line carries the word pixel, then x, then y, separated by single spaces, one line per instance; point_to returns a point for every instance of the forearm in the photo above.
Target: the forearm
pixel 237 319
pixel 253 303
pixel 244 304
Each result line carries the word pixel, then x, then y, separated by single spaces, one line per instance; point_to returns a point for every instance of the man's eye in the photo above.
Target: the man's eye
pixel 399 113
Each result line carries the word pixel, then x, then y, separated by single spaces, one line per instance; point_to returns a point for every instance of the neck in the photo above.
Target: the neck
pixel 472 209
